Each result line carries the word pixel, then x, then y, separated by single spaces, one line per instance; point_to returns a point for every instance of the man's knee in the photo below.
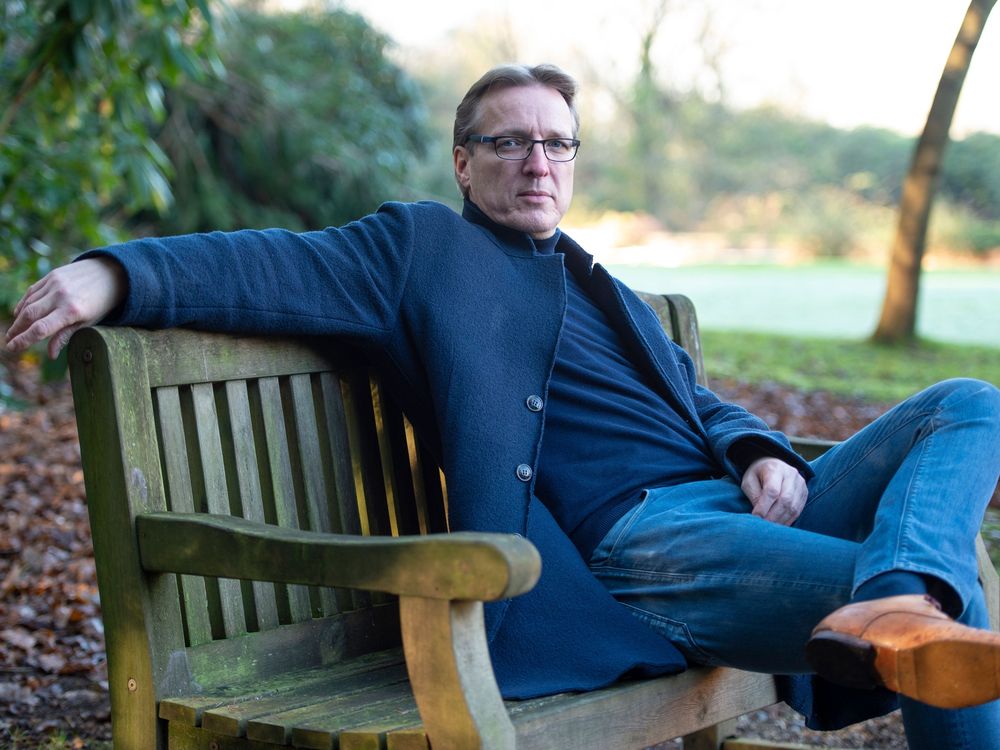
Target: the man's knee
pixel 977 396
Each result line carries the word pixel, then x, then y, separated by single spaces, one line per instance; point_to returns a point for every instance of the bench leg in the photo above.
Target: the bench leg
pixel 710 738
pixel 452 678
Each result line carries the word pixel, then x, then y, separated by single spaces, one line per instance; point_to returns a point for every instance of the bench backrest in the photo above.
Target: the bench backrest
pixel 294 433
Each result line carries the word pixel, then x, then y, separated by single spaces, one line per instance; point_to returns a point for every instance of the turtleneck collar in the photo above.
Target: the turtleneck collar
pixel 577 258
pixel 513 238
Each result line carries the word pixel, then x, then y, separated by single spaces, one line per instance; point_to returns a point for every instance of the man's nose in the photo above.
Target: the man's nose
pixel 537 162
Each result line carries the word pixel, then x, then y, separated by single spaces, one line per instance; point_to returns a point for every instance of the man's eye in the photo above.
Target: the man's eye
pixel 510 143
pixel 557 145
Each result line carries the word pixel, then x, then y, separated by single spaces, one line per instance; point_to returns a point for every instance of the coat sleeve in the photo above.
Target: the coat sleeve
pixel 347 281
pixel 736 436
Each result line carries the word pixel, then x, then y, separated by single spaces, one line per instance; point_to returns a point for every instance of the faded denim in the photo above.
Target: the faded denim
pixel 908 492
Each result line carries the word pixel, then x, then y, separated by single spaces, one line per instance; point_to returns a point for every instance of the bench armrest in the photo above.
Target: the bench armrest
pixel 461 565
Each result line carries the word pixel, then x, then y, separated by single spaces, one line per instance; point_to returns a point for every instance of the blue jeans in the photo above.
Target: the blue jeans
pixel 908 492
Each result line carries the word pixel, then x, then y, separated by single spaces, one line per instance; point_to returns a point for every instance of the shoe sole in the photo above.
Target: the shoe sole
pixel 945 673
pixel 844 660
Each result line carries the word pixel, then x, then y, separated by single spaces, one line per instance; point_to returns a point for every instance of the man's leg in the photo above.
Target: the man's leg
pixel 727 587
pixel 731 589
pixel 912 488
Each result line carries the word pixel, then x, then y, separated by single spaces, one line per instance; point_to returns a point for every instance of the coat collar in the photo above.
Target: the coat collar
pixel 516 242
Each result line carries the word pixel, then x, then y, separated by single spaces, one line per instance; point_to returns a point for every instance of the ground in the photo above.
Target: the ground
pixel 52 663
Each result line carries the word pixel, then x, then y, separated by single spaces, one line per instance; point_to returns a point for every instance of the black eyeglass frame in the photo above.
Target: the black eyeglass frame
pixel 574 142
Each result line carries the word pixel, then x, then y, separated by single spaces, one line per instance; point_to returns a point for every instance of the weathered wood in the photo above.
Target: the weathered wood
pixel 449 665
pixel 223 463
pixel 111 396
pixel 991 582
pixel 710 738
pixel 309 699
pixel 464 565
pixel 319 650
pixel 743 743
pixel 282 482
pixel 178 476
pixel 643 713
pixel 180 356
pixel 370 712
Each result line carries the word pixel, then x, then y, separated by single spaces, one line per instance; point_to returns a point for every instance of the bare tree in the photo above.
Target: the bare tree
pixel 899 309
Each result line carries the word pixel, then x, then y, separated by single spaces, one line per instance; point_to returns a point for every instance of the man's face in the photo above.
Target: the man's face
pixel 531 195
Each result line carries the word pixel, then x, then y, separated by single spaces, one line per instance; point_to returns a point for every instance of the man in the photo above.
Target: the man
pixel 724 546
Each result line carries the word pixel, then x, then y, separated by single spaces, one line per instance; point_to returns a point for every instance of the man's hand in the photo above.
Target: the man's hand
pixel 775 489
pixel 64 300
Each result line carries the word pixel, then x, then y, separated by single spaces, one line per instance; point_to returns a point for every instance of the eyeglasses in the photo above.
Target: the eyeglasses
pixel 516 148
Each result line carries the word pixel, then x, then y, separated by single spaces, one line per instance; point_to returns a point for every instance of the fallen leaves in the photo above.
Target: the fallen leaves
pixel 53 674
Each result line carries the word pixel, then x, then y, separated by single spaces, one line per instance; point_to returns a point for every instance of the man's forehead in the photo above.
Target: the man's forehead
pixel 519 110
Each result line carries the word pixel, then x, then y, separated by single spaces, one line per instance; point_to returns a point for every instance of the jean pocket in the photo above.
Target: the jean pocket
pixel 605 549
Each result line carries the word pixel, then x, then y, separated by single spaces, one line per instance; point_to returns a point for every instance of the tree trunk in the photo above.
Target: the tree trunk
pixel 899 309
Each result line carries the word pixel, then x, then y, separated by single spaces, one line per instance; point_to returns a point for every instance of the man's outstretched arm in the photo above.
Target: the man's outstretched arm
pixel 64 300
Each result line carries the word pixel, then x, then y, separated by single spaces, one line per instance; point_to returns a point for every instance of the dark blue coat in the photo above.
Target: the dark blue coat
pixel 465 318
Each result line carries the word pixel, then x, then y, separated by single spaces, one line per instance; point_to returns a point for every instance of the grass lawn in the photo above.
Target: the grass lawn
pixel 826 299
pixel 852 367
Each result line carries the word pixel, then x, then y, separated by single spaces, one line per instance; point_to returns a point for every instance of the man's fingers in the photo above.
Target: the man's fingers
pixel 64 300
pixel 29 296
pixel 776 490
pixel 57 342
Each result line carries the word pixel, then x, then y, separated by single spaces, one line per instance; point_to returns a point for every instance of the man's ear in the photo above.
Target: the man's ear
pixel 461 159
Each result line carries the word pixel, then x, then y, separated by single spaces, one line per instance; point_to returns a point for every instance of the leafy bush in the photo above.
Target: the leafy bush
pixel 80 83
pixel 312 126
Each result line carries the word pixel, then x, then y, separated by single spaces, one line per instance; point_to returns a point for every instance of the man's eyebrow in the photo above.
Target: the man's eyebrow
pixel 522 133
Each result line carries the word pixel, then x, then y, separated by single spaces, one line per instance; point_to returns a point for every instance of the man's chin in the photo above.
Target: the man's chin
pixel 538 226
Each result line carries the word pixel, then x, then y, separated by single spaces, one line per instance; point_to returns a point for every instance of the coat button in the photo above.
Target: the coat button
pixel 524 472
pixel 535 403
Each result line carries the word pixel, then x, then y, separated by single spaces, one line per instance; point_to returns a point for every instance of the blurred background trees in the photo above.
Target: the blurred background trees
pixel 125 117
pixel 82 87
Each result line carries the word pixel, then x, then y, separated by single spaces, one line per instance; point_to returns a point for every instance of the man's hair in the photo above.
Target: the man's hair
pixel 509 76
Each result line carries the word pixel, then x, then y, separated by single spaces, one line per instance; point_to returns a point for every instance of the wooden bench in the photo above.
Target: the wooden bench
pixel 274 567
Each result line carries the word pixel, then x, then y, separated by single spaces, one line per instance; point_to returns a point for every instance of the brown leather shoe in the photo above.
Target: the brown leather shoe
pixel 907 644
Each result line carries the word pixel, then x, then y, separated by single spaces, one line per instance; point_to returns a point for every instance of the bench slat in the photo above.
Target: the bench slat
pixel 396 469
pixel 371 727
pixel 343 499
pixel 171 422
pixel 363 434
pixel 178 357
pixel 344 494
pixel 641 713
pixel 217 497
pixel 191 709
pixel 311 467
pixel 289 652
pixel 367 713
pixel 244 451
pixel 314 687
pixel 371 738
pixel 282 483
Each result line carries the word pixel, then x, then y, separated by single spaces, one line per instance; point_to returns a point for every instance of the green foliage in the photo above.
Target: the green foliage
pixel 971 174
pixel 312 126
pixel 960 227
pixel 697 165
pixel 849 367
pixel 81 81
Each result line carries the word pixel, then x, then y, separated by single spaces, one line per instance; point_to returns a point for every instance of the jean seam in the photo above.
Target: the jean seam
pixel 618 571
pixel 691 643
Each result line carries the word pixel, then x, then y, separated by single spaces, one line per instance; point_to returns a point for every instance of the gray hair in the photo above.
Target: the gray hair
pixel 508 76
